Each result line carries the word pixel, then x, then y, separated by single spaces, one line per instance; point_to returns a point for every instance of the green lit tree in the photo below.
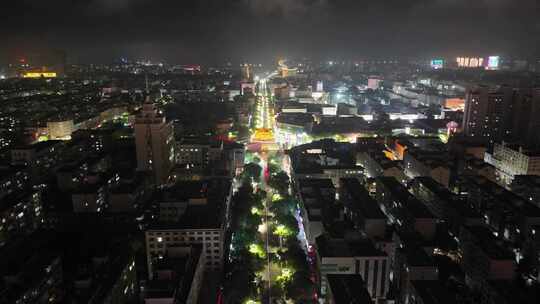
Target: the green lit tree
pixel 301 289
pixel 284 207
pixel 280 181
pixel 253 171
pixel 295 256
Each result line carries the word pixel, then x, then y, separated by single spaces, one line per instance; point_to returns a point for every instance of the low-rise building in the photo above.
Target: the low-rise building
pixel 361 209
pixel 484 258
pixel 334 173
pixel 402 208
pixel 35 154
pixel 190 213
pixel 31 270
pixel 447 206
pixel 12 180
pixel 475 166
pixel 177 277
pixel 507 214
pixel 512 160
pixel 411 263
pixel 124 195
pixel 61 129
pixel 100 270
pixel 317 197
pixel 21 213
pixel 193 153
pixel 527 187
pixel 347 289
pixel 358 257
pixel 435 164
pixel 430 292
pixel 90 198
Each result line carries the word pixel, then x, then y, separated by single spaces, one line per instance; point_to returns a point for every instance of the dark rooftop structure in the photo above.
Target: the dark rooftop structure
pixel 417 257
pixel 14 198
pixel 178 285
pixel 490 245
pixel 205 203
pixel 405 198
pixel 515 293
pixel 442 193
pixel 348 289
pixel 333 247
pixel 321 183
pixel 361 200
pixel 42 145
pixel 433 292
pixel 498 193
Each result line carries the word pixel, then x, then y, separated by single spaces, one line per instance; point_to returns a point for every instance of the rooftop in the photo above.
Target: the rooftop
pixel 516 293
pixel 321 183
pixel 484 238
pixel 333 247
pixel 433 292
pixel 502 195
pixel 400 193
pixel 348 289
pixel 361 200
pixel 15 198
pixel 196 216
pixel 448 197
pixel 42 145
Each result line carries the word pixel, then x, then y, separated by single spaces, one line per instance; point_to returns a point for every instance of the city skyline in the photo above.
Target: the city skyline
pixel 269 152
pixel 253 30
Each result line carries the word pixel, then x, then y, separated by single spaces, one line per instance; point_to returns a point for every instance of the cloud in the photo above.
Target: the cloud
pixel 111 7
pixel 284 7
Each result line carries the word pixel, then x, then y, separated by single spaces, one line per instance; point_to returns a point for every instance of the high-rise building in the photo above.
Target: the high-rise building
pixel 488 113
pixel 154 141
pixel 503 114
pixel 526 120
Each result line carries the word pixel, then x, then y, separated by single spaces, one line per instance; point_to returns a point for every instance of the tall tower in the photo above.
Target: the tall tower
pixel 320 86
pixel 247 75
pixel 488 113
pixel 154 140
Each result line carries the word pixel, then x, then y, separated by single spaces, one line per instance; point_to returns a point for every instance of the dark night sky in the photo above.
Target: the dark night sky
pixel 187 31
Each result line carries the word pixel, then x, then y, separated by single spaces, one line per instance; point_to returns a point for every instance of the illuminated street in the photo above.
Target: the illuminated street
pixel 263 132
pixel 276 231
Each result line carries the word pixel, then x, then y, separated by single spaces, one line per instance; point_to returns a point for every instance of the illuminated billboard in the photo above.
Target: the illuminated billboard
pixel 437 63
pixel 493 63
pixel 470 62
pixel 39 75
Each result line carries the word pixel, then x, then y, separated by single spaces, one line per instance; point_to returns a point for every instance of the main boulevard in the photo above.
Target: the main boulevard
pixel 268 242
